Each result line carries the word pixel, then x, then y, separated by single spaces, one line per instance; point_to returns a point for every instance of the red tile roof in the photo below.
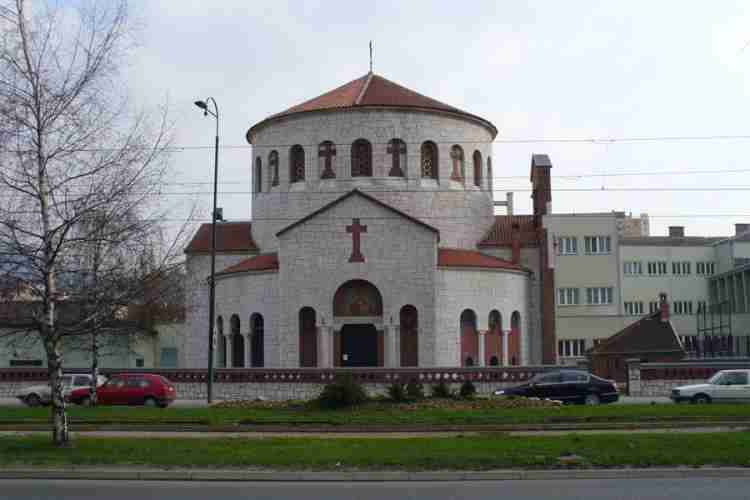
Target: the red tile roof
pixel 370 90
pixel 455 257
pixel 230 237
pixel 501 232
pixel 263 262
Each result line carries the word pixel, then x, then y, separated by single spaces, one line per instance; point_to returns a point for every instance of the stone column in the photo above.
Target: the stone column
pixel 325 347
pixel 389 346
pixel 227 351
pixel 506 357
pixel 481 337
pixel 746 298
pixel 248 350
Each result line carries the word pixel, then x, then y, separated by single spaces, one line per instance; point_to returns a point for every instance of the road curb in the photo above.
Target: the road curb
pixel 363 476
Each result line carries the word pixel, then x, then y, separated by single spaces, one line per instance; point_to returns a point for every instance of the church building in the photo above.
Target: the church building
pixel 374 243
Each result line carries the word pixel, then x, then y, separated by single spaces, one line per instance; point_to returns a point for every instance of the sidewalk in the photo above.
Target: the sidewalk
pixel 144 474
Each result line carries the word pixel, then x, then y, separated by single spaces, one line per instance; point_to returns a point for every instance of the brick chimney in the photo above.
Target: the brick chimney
pixel 677 231
pixel 741 228
pixel 541 184
pixel 515 235
pixel 663 307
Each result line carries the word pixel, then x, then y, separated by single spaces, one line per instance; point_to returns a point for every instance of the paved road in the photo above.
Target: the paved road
pixel 613 489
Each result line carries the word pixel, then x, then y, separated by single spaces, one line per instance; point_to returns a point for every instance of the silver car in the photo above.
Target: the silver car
pixel 38 395
pixel 726 386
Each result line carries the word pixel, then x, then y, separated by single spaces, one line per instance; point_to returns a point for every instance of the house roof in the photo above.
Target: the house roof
pixel 456 257
pixel 366 196
pixel 648 334
pixel 501 232
pixel 230 237
pixel 263 262
pixel 370 90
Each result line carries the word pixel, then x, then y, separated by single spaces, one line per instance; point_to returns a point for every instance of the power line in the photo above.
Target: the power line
pixel 458 141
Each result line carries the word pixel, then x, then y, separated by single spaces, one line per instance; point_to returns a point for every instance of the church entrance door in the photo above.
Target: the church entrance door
pixel 359 345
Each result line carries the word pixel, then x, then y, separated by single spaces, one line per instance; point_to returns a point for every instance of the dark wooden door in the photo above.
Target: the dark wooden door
pixel 359 345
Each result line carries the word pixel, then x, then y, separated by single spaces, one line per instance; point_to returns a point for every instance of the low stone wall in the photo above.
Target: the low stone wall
pixel 299 384
pixel 658 379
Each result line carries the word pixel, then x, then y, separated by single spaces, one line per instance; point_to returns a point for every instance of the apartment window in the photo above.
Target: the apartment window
pixel 653 306
pixel 567 297
pixel 682 307
pixel 709 268
pixel 680 268
pixel 700 268
pixel 567 245
pixel 657 268
pixel 571 347
pixel 633 267
pixel 598 244
pixel 702 306
pixel 634 308
pixel 599 295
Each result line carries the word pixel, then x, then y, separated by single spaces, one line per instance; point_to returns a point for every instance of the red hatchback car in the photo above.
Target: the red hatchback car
pixel 129 389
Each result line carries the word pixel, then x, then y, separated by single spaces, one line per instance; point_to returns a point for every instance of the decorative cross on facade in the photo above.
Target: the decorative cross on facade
pixel 355 229
pixel 396 148
pixel 327 151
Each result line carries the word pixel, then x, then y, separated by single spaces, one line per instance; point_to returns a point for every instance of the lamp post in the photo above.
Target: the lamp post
pixel 214 216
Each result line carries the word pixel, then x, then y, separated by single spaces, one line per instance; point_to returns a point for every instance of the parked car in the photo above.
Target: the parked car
pixel 130 389
pixel 41 394
pixel 724 387
pixel 568 386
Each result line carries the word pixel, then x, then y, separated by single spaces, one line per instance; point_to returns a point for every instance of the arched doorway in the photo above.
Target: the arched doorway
pixel 469 340
pixel 409 338
pixel 238 343
pixel 256 340
pixel 358 342
pixel 308 338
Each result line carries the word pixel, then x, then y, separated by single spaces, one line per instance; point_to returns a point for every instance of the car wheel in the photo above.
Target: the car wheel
pixel 85 401
pixel 150 402
pixel 592 400
pixel 701 399
pixel 33 400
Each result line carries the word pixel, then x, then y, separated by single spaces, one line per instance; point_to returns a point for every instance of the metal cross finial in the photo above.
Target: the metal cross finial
pixel 370 56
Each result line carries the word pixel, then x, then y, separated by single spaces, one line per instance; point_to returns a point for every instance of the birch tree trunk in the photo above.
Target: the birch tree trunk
pixel 60 431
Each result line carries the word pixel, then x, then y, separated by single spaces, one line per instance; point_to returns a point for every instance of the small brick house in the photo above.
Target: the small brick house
pixel 651 339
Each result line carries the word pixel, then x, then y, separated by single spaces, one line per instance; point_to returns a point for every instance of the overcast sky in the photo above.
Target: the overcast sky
pixel 548 70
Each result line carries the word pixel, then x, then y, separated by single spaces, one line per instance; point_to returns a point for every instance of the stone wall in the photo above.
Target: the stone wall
pixel 300 384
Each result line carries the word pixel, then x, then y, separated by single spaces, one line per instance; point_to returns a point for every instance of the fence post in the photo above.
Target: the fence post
pixel 634 376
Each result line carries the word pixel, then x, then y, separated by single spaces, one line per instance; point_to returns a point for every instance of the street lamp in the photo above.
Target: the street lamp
pixel 214 217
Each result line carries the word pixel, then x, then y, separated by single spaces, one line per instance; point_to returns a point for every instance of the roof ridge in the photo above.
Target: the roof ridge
pixel 358 100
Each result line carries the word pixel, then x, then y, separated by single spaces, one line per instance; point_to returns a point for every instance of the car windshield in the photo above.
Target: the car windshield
pixel 716 379
pixel 66 380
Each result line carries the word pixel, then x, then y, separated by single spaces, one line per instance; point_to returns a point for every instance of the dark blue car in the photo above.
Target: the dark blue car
pixel 568 386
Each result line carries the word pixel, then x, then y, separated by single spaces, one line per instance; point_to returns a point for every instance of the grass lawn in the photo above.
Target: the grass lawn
pixel 384 415
pixel 467 453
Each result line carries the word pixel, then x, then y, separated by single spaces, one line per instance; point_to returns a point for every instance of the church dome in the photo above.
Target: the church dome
pixel 370 91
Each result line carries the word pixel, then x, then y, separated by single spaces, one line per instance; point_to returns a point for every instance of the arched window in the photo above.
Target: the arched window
pixel 397 152
pixel 221 344
pixel 361 158
pixel 493 345
pixel 429 160
pixel 296 164
pixel 478 169
pixel 489 174
pixel 326 160
pixel 238 343
pixel 469 338
pixel 273 164
pixel 514 341
pixel 308 338
pixel 457 160
pixel 258 175
pixel 256 340
pixel 409 336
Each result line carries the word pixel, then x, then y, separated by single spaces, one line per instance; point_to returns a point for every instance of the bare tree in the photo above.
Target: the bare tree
pixel 77 169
